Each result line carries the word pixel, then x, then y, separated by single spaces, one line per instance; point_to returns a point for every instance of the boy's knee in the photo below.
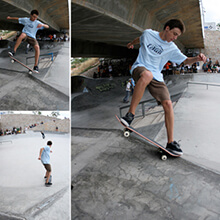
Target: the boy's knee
pixel 36 47
pixel 167 105
pixel 146 76
pixel 22 36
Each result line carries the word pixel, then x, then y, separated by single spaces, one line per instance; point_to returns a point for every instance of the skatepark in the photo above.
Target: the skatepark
pixel 44 91
pixel 22 189
pixel 124 178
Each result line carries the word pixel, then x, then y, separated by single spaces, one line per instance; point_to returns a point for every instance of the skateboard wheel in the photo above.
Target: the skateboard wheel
pixel 12 61
pixel 126 133
pixel 30 72
pixel 164 157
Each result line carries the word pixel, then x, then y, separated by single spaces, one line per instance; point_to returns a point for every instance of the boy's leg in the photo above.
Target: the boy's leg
pixel 145 78
pixel 19 40
pixel 37 54
pixel 142 77
pixel 48 176
pixel 48 172
pixel 169 119
pixel 161 93
pixel 33 42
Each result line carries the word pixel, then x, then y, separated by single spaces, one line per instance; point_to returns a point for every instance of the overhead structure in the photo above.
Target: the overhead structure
pixel 114 23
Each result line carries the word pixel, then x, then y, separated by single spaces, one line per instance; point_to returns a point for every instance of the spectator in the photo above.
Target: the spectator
pixel 128 90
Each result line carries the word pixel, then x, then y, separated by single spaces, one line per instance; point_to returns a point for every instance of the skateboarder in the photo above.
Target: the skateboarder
pixel 31 26
pixel 43 135
pixel 44 156
pixel 156 49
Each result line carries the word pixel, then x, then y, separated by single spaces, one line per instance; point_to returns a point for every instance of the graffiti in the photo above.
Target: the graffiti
pixel 105 87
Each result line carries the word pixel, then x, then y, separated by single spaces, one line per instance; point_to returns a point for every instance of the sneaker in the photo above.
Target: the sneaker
pixel 48 184
pixel 36 69
pixel 174 147
pixel 11 53
pixel 129 117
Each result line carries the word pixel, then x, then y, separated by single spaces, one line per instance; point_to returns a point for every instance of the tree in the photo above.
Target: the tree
pixel 55 114
pixel 37 112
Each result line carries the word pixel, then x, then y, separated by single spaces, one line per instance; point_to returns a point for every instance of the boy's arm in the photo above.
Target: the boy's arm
pixel 12 18
pixel 42 25
pixel 41 150
pixel 200 57
pixel 132 43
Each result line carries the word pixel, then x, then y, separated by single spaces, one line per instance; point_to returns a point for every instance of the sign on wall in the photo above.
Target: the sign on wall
pixel 210 26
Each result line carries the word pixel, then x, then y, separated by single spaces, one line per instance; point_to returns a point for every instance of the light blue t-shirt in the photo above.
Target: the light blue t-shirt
pixel 30 27
pixel 45 156
pixel 154 53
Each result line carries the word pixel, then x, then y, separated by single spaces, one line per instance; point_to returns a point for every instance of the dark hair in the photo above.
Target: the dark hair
pixel 49 143
pixel 175 23
pixel 34 12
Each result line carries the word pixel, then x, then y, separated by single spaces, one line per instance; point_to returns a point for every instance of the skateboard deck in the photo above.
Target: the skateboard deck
pixel 164 152
pixel 30 71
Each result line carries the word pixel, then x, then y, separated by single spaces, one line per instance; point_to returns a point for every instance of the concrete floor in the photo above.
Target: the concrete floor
pixel 22 190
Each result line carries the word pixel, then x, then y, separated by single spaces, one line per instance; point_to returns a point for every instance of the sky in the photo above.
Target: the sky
pixel 212 10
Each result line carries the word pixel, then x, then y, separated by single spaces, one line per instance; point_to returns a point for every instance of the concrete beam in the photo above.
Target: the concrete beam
pixel 116 22
pixel 98 49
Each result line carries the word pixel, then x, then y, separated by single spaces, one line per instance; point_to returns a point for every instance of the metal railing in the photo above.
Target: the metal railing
pixel 203 83
pixel 142 103
pixel 51 55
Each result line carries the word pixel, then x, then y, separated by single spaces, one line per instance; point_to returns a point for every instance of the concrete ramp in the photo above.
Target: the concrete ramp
pixel 118 178
pixel 46 90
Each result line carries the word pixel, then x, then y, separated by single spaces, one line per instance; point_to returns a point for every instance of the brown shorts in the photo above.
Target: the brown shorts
pixel 47 167
pixel 31 41
pixel 157 89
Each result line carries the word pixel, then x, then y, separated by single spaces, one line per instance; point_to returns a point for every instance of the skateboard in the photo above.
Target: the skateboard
pixel 164 152
pixel 30 71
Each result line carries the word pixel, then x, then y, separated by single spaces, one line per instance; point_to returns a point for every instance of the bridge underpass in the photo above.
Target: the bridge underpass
pixel 103 28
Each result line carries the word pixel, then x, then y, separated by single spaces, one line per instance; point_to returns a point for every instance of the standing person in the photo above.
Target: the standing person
pixel 31 26
pixel 156 48
pixel 44 156
pixel 128 91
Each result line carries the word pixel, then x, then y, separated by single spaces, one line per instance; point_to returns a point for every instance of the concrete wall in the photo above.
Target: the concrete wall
pixel 212 45
pixel 25 120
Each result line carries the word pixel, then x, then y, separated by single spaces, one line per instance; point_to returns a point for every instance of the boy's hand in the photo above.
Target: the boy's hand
pixel 202 57
pixel 8 17
pixel 39 25
pixel 130 46
pixel 39 158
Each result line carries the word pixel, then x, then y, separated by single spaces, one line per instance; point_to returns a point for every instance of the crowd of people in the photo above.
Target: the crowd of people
pixel 113 68
pixel 17 130
pixel 209 67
